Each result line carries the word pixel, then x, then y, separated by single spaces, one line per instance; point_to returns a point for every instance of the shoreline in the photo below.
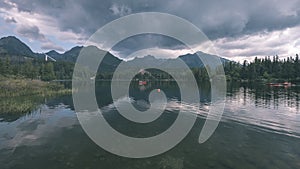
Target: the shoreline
pixel 20 96
pixel 12 87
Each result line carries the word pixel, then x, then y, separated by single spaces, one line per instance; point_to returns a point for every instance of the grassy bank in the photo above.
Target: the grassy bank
pixel 22 87
pixel 18 96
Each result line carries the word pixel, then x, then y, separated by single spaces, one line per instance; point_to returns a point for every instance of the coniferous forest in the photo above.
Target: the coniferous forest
pixel 36 69
pixel 267 69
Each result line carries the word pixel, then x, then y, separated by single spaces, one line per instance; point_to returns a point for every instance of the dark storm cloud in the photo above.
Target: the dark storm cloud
pixel 31 32
pixel 139 42
pixel 5 5
pixel 238 17
pixel 83 17
pixel 216 18
pixel 10 20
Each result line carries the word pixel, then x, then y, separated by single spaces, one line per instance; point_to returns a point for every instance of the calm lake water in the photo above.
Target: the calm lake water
pixel 260 128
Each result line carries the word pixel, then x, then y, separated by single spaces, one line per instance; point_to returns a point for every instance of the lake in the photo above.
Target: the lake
pixel 260 128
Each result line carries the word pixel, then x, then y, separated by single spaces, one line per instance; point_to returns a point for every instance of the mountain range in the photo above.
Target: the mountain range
pixel 17 50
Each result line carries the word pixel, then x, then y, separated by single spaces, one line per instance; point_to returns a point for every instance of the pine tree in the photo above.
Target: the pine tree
pixel 7 69
pixel 47 72
pixel 1 67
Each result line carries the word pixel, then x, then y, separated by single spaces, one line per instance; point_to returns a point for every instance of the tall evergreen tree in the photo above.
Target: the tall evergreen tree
pixel 48 72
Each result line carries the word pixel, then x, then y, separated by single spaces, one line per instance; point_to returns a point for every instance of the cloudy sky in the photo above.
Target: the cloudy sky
pixel 239 29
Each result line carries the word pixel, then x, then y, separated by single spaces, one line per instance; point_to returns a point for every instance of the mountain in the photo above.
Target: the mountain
pixel 17 50
pixel 69 56
pixel 12 46
pixel 54 54
pixel 191 60
pixel 146 61
pixel 72 54
pixel 109 62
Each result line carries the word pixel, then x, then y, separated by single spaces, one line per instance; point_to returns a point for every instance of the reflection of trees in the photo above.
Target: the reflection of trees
pixel 265 96
pixel 12 108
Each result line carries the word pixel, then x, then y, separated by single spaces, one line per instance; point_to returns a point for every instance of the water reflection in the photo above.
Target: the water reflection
pixel 13 108
pixel 269 108
pixel 266 96
pixel 259 129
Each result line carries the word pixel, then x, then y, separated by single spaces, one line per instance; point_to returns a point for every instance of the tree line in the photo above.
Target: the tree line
pixel 268 68
pixel 36 69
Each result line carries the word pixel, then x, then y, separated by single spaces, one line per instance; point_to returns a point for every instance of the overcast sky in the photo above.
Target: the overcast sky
pixel 239 29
